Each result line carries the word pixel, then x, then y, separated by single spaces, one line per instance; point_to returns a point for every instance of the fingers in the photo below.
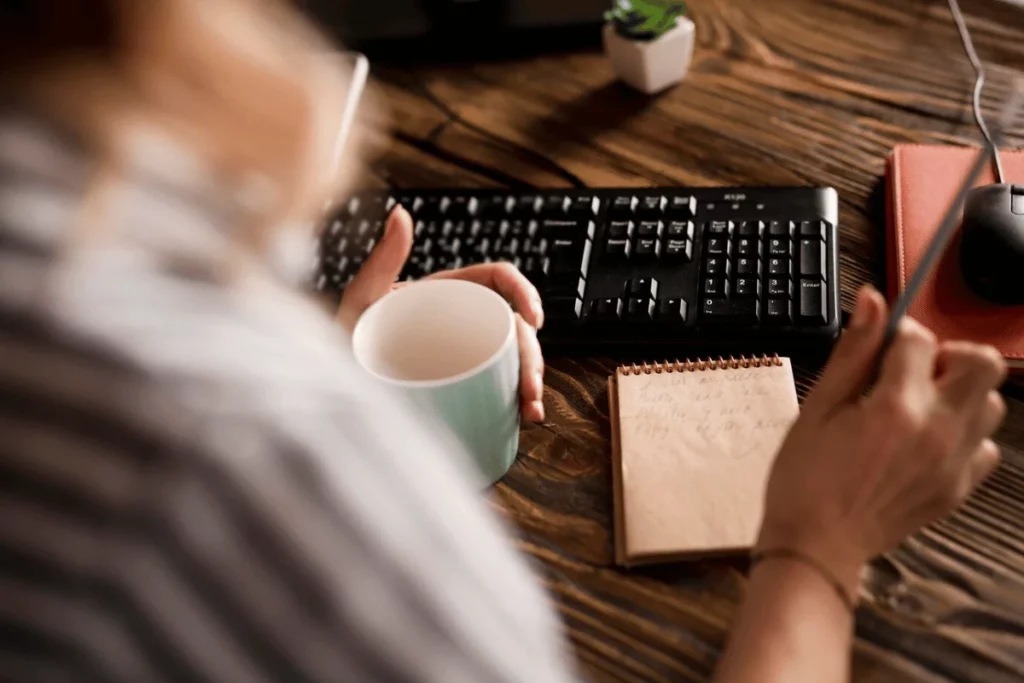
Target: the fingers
pixel 984 420
pixel 982 463
pixel 505 279
pixel 531 372
pixel 852 364
pixel 381 269
pixel 967 373
pixel 909 364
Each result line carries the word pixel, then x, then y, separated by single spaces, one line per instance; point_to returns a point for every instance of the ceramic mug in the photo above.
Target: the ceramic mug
pixel 450 346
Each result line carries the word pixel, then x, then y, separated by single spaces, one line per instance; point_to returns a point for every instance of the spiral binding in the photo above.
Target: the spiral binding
pixel 700 365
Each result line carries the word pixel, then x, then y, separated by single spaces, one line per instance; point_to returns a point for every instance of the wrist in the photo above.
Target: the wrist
pixel 832 551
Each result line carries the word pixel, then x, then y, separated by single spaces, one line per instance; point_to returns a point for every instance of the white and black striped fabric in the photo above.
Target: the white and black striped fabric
pixel 196 481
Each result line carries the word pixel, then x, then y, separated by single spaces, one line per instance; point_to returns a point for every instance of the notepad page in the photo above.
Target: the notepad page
pixel 696 451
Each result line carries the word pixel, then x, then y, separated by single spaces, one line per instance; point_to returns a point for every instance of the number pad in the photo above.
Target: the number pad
pixel 778 246
pixel 748 288
pixel 779 266
pixel 748 246
pixel 718 246
pixel 717 266
pixel 748 266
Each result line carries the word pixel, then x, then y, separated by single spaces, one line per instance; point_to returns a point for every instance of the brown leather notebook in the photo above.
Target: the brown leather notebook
pixel 692 446
pixel 923 179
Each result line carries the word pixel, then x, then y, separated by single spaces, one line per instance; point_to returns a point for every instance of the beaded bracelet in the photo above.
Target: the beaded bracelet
pixel 785 553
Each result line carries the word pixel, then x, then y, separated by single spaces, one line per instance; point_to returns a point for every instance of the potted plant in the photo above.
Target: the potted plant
pixel 649 42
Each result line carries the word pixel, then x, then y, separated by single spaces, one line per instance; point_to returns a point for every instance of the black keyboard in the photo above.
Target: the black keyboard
pixel 655 270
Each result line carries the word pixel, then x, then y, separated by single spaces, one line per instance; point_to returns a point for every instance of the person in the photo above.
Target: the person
pixel 198 484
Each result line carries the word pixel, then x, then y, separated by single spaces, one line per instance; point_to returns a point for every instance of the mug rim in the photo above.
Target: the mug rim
pixel 510 337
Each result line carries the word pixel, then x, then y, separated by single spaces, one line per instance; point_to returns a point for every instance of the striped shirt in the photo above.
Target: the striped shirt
pixel 198 484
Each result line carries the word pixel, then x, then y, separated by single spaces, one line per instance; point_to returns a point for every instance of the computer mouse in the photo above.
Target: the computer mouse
pixel 992 243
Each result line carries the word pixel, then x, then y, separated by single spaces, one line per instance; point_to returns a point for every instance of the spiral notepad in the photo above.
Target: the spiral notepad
pixel 692 446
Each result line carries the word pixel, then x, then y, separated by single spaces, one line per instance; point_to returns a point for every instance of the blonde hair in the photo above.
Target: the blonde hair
pixel 246 85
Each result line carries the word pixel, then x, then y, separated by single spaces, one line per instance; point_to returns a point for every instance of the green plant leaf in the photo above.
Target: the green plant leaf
pixel 645 19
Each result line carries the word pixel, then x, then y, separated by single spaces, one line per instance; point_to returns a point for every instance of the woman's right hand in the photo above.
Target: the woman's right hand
pixel 858 473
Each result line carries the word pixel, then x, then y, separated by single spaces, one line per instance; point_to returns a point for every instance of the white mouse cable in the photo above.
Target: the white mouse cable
pixel 979 84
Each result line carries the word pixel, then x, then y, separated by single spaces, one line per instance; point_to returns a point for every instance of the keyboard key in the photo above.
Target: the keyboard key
pixel 622 207
pixel 563 249
pixel 649 229
pixel 748 246
pixel 813 303
pixel 555 205
pixel 427 207
pixel 508 249
pixel 607 310
pixel 566 229
pixel 535 269
pixel 652 206
pixel 564 284
pixel 747 287
pixel 746 265
pixel 751 228
pixel 584 206
pixel 617 250
pixel 682 206
pixel 718 228
pixel 812 258
pixel 778 246
pixel 526 205
pixel 563 308
pixel 679 250
pixel 815 229
pixel 717 266
pixel 716 287
pixel 457 208
pixel 778 266
pixel 425 264
pixel 374 207
pixel 648 249
pixel 585 259
pixel 490 228
pixel 335 229
pixel 351 207
pixel 672 311
pixel 642 286
pixel 779 229
pixel 779 312
pixel 620 229
pixel 422 247
pixel 718 246
pixel 731 311
pixel 494 206
pixel 639 309
pixel 780 287
pixel 364 229
pixel 680 230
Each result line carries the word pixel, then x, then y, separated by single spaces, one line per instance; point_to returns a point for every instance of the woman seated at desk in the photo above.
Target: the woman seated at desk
pixel 162 522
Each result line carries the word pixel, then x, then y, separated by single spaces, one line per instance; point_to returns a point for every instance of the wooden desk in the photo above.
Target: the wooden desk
pixel 782 92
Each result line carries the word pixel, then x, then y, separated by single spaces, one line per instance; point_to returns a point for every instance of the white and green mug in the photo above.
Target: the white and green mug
pixel 451 346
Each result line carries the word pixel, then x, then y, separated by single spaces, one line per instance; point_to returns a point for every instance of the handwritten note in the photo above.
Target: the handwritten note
pixel 696 449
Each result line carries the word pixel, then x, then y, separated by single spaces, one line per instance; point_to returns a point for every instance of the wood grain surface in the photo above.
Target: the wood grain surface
pixel 783 92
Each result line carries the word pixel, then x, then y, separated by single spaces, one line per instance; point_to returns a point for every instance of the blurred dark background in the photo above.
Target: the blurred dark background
pixel 415 30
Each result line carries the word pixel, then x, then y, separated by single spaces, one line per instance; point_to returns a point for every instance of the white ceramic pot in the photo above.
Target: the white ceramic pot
pixel 652 65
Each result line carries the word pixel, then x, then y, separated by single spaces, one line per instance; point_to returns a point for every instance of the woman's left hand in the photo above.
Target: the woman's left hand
pixel 377 277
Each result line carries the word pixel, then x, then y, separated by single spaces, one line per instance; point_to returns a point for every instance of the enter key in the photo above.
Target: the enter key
pixel 813 295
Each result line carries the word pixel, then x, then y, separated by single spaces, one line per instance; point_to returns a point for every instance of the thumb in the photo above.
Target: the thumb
pixel 381 269
pixel 853 361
